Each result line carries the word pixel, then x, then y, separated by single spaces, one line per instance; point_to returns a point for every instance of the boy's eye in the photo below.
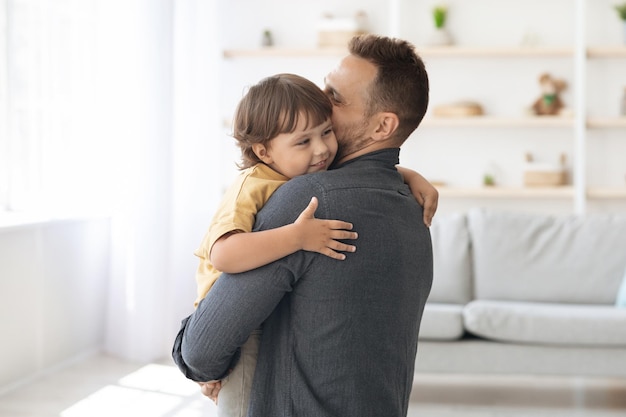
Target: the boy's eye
pixel 328 131
pixel 303 141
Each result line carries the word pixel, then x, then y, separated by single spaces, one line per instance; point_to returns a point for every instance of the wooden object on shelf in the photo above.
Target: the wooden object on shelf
pixel 543 175
pixel 326 39
pixel 334 31
pixel 544 178
pixel 458 109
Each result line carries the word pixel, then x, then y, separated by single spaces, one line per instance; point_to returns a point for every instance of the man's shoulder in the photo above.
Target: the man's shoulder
pixel 308 180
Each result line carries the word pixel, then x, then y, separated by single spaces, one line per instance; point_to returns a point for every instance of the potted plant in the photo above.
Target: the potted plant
pixel 441 35
pixel 439 15
pixel 621 10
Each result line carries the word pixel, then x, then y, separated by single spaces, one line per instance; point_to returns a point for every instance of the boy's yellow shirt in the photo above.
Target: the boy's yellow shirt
pixel 236 212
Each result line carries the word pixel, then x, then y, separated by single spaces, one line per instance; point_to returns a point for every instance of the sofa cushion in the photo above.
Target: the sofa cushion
pixel 543 323
pixel 531 257
pixel 442 322
pixel 451 260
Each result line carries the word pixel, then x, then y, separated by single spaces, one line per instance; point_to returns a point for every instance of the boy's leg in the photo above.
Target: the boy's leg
pixel 234 396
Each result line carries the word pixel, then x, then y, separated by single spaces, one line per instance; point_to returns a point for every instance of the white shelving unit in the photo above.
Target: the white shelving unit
pixel 577 125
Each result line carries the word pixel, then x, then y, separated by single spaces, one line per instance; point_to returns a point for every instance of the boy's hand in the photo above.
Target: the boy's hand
pixel 211 389
pixel 428 197
pixel 424 192
pixel 320 236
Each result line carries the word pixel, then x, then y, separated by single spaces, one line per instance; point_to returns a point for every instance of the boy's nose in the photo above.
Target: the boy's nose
pixel 320 147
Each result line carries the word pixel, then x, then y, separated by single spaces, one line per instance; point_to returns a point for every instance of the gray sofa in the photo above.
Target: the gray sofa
pixel 518 293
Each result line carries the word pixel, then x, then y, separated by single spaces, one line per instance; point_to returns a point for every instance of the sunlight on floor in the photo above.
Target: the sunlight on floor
pixel 154 390
pixel 103 386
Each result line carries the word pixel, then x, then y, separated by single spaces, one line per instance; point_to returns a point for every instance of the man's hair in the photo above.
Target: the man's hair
pixel 401 83
pixel 273 106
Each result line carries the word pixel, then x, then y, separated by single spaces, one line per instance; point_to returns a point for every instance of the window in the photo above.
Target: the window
pixel 47 56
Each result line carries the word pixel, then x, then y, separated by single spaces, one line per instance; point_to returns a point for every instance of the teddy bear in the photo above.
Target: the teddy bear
pixel 549 103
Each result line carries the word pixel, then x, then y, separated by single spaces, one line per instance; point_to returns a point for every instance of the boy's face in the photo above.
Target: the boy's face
pixel 302 151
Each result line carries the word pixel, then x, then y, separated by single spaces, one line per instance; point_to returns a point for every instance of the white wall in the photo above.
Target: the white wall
pixel 53 285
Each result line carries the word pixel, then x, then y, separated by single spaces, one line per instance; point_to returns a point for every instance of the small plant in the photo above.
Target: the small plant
pixel 439 14
pixel 621 10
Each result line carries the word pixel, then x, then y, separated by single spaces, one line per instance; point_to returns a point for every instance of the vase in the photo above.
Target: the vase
pixel 440 37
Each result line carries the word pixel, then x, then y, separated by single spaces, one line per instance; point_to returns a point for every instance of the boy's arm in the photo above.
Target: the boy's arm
pixel 238 252
pixel 424 192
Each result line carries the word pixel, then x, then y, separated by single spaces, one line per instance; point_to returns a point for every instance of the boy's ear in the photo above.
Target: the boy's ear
pixel 261 152
pixel 387 124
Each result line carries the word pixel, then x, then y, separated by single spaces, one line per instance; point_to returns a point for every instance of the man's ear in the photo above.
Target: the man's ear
pixel 261 152
pixel 387 124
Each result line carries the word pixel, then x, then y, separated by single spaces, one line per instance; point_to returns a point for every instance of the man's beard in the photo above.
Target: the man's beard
pixel 350 139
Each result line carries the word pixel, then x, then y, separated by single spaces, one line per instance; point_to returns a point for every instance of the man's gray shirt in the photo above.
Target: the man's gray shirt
pixel 339 337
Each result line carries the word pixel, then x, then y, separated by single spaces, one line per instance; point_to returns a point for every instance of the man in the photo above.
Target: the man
pixel 339 338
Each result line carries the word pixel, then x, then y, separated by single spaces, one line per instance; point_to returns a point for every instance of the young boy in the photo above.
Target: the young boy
pixel 283 128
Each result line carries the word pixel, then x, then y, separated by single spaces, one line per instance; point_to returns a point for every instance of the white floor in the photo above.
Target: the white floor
pixel 104 386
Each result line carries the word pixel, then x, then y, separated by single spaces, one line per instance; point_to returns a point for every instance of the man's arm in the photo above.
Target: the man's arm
pixel 425 194
pixel 239 303
pixel 223 321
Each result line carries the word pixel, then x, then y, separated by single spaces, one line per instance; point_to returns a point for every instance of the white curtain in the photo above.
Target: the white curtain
pixel 135 98
pixel 158 64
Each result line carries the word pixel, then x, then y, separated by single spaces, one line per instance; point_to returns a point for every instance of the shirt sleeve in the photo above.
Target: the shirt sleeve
pixel 239 303
pixel 236 305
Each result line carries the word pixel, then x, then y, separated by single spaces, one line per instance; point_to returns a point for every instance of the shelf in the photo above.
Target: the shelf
pixel 429 51
pixel 277 52
pixel 607 52
pixel 506 192
pixel 580 125
pixel 606 193
pixel 606 122
pixel 504 122
pixel 489 121
pixel 508 122
pixel 450 52
pixel 495 52
pixel 535 121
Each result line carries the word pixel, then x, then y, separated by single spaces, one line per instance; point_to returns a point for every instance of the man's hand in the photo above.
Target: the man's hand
pixel 318 235
pixel 211 389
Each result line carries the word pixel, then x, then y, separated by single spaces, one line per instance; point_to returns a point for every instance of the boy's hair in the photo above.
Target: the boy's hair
pixel 273 106
pixel 401 83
